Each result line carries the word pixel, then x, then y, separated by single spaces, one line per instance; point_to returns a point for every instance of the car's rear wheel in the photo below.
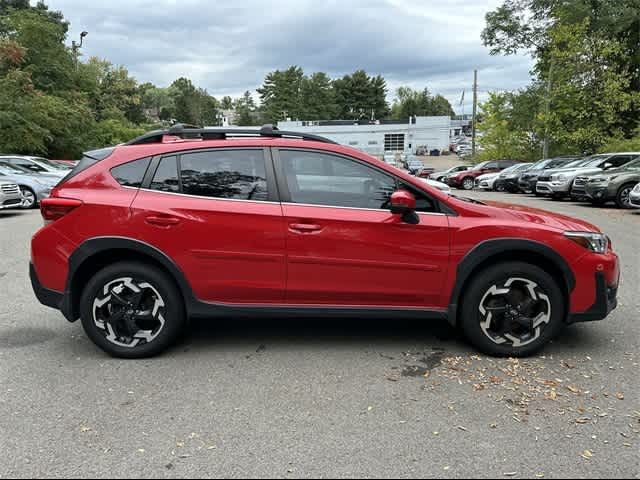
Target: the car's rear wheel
pixel 468 183
pixel 623 196
pixel 29 199
pixel 132 310
pixel 512 309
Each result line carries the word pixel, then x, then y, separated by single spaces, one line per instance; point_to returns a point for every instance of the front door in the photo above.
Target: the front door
pixel 345 248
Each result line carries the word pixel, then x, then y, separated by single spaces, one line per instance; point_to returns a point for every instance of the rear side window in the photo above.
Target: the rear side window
pixel 131 174
pixel 230 174
pixel 166 176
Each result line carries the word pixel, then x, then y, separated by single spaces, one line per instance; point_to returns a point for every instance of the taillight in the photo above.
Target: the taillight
pixel 53 209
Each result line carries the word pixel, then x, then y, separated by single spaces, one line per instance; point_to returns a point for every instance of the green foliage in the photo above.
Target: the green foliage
pixel 192 105
pixel 410 102
pixel 245 110
pixel 587 72
pixel 360 96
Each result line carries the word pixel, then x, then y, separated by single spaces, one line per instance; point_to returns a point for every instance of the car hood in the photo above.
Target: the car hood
pixel 617 172
pixel 577 171
pixel 541 217
pixel 488 176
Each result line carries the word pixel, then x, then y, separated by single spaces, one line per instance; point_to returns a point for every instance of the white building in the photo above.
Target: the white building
pixel 384 136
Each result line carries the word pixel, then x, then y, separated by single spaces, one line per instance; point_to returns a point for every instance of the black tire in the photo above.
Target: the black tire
pixel 557 196
pixel 622 197
pixel 468 183
pixel 479 328
pixel 28 193
pixel 168 319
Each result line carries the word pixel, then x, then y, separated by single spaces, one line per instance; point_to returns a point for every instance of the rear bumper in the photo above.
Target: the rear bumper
pixel 606 302
pixel 49 298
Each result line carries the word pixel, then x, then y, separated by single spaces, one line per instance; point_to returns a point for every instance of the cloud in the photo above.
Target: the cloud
pixel 227 46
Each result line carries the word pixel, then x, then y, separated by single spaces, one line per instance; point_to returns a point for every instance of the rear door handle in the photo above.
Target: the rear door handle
pixel 163 221
pixel 305 227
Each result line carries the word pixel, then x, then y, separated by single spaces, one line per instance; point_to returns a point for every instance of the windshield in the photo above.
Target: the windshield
pixel 635 165
pixel 594 160
pixel 51 164
pixel 480 166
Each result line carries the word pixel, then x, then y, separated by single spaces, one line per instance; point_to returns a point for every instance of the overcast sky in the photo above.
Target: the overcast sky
pixel 227 46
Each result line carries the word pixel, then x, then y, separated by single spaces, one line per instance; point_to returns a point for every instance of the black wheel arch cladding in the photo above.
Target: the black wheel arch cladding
pixel 494 249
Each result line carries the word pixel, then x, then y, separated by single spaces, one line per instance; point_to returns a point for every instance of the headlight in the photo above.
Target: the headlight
pixel 596 242
pixel 559 178
pixel 637 189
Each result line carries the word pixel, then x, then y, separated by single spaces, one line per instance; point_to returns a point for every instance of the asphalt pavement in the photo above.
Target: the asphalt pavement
pixel 318 398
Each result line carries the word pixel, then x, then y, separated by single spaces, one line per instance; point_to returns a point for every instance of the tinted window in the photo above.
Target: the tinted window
pixel 491 166
pixel 166 176
pixel 322 179
pixel 131 174
pixel 620 160
pixel 234 174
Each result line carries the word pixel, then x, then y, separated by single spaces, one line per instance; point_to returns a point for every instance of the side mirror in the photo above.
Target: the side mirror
pixel 608 165
pixel 403 203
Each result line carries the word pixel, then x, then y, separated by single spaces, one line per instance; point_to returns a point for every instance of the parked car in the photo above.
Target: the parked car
pixel 579 186
pixel 414 165
pixel 614 185
pixel 634 197
pixel 441 175
pixel 36 164
pixel 34 187
pixel 153 232
pixel 439 185
pixel 10 196
pixel 557 183
pixel 507 181
pixel 529 179
pixel 486 181
pixel 466 180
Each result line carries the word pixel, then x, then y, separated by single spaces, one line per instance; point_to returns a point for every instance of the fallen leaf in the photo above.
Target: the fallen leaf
pixel 620 396
pixel 573 389
pixel 587 454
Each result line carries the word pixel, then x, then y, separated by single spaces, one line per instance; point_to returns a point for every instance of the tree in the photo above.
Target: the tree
pixel 318 97
pixel 410 102
pixel 281 94
pixel 192 105
pixel 245 109
pixel 226 103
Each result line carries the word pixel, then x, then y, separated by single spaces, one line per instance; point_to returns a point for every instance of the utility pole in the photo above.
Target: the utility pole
pixel 475 112
pixel 547 111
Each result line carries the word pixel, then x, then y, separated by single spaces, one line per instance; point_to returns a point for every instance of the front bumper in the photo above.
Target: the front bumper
pixel 634 199
pixel 606 302
pixel 551 188
pixel 597 191
pixel 10 202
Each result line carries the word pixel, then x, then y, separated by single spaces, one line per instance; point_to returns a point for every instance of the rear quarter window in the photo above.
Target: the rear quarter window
pixel 131 174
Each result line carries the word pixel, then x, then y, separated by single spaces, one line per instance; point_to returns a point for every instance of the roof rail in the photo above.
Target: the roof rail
pixel 192 132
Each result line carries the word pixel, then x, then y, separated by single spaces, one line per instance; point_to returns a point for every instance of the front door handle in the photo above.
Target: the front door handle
pixel 305 227
pixel 163 221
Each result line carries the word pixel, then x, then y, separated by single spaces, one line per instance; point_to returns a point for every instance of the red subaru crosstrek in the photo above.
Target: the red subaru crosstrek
pixel 188 223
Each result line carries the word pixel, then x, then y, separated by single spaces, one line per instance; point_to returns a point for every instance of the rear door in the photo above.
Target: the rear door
pixel 217 215
pixel 345 248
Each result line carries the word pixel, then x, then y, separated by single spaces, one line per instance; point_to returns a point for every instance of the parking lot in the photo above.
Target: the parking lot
pixel 313 397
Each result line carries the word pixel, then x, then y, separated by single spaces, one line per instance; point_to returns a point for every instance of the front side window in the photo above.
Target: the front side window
pixel 131 174
pixel 230 174
pixel 317 178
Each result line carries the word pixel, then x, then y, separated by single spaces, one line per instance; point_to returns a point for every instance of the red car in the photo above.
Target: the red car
pixel 466 179
pixel 191 223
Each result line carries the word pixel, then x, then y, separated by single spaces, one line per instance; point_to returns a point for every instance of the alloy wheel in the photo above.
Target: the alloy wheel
pixel 468 183
pixel 129 313
pixel 28 198
pixel 625 196
pixel 515 312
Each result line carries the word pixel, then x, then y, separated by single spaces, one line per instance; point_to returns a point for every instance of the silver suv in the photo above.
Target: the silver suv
pixel 558 182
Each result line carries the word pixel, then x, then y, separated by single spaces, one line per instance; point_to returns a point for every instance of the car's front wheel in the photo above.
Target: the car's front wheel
pixel 623 199
pixel 29 199
pixel 512 309
pixel 468 183
pixel 132 310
